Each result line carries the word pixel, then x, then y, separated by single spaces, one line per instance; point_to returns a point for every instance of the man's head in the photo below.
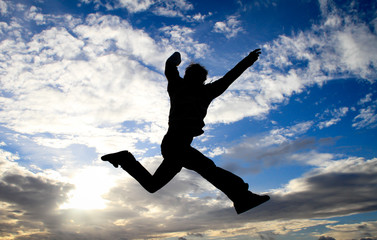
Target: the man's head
pixel 196 73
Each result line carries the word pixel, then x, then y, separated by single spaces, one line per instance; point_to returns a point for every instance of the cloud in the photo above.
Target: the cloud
pixel 340 46
pixel 131 6
pixel 3 7
pixel 326 238
pixel 170 8
pixel 132 212
pixel 366 99
pixel 275 147
pixel 230 27
pixel 83 84
pixel 65 88
pixel 336 116
pixel 367 117
pixel 73 69
pixel 31 198
pixel 134 6
pixel 198 17
pixel 173 8
pixel 325 190
pixel 181 39
pixel 363 230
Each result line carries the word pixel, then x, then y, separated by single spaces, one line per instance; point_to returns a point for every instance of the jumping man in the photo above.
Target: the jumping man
pixel 189 101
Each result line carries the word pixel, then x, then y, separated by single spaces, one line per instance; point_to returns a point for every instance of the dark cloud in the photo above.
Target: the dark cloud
pixel 29 201
pixel 325 195
pixel 260 155
pixel 132 212
pixel 322 194
pixel 195 235
pixel 32 193
pixel 326 238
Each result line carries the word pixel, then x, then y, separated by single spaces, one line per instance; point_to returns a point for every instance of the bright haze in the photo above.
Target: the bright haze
pixel 80 79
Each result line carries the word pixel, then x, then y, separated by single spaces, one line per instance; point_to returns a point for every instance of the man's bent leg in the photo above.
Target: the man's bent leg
pixel 164 173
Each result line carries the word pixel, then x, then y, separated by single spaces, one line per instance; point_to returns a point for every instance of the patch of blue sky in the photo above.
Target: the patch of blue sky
pixel 230 133
pixel 7 138
pixel 356 218
pixel 296 16
pixel 149 149
pixel 323 104
pixel 131 126
pixel 6 94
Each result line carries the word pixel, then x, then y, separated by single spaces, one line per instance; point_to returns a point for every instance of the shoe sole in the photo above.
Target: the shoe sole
pixel 247 207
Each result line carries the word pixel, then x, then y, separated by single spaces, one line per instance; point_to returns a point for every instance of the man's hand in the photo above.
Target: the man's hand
pixel 255 54
pixel 175 58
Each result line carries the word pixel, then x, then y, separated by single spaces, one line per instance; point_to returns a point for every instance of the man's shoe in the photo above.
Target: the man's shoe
pixel 117 158
pixel 250 201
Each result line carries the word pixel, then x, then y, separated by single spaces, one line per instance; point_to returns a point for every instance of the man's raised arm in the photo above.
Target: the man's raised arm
pixel 219 86
pixel 171 70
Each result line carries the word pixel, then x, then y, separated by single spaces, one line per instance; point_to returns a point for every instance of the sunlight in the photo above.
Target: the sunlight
pixel 90 184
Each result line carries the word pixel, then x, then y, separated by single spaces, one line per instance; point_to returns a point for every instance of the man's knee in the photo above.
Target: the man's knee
pixel 152 188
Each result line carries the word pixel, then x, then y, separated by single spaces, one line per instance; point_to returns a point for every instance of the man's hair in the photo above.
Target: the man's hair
pixel 195 71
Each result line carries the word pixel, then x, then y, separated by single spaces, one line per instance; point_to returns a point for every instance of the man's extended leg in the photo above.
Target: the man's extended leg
pixel 164 173
pixel 230 184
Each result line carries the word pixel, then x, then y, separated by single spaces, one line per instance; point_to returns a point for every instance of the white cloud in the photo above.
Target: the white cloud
pixel 363 230
pixel 172 8
pixel 85 85
pixel 4 155
pixel 336 115
pixel 34 14
pixel 131 5
pixel 217 151
pixel 366 99
pixel 135 6
pixel 230 27
pixel 342 46
pixel 182 40
pixel 231 107
pixel 367 117
pixel 169 8
pixel 198 17
pixel 3 7
pixel 339 47
pixel 81 70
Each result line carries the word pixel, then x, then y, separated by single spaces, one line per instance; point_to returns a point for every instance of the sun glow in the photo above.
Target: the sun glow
pixel 90 184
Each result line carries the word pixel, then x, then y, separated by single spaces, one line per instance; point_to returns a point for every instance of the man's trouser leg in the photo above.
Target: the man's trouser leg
pixel 164 173
pixel 230 184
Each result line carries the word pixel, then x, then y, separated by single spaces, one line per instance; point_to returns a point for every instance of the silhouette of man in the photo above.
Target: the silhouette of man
pixel 189 101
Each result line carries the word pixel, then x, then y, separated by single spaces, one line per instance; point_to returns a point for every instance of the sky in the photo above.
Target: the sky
pixel 80 79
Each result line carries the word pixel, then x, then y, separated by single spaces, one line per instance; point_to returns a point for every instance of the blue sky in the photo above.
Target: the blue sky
pixel 80 79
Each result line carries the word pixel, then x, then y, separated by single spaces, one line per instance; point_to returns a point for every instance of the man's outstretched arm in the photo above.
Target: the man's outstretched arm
pixel 219 86
pixel 171 70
